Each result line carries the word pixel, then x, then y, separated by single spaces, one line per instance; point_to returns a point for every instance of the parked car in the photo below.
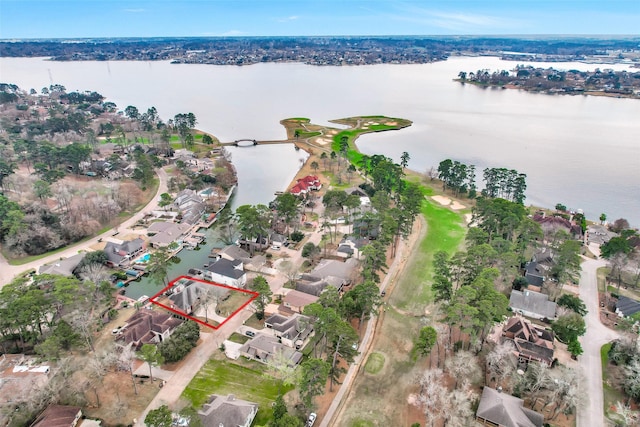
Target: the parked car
pixel 311 420
pixel 116 331
pixel 250 333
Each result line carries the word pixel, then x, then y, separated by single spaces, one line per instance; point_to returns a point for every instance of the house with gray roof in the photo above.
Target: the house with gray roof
pixel 188 294
pixel 121 254
pixel 292 331
pixel 59 416
pixel 264 347
pixel 227 411
pixel 230 273
pixel 163 233
pixel 232 253
pixel 313 285
pixel 295 302
pixel 190 205
pixel 333 268
pixel 535 273
pixel 503 410
pixel 626 307
pixel 351 246
pixel 532 304
pixel 63 267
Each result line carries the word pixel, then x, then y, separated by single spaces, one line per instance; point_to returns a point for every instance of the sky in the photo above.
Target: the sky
pixel 193 18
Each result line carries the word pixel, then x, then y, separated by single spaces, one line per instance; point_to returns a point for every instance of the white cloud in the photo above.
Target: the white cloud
pixel 457 21
pixel 139 10
pixel 288 18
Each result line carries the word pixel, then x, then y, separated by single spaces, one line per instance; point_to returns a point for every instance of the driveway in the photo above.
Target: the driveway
pixel 9 272
pixel 592 415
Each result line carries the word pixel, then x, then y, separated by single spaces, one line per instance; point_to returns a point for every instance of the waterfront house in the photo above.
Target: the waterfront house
pixel 190 205
pixel 231 253
pixel 227 411
pixel 121 254
pixel 532 304
pixel 163 233
pixel 230 273
pixel 503 410
pixel 277 240
pixel 306 184
pixel 530 342
pixel 147 327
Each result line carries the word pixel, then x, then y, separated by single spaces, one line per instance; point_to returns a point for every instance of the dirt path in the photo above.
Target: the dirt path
pixel 597 335
pixel 9 272
pixel 333 417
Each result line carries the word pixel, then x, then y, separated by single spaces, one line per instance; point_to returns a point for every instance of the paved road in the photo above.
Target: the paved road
pixel 8 272
pixel 592 415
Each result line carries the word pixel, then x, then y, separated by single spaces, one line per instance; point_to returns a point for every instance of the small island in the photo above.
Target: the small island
pixel 606 82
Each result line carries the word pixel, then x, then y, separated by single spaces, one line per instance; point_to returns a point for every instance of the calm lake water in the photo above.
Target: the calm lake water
pixel 581 151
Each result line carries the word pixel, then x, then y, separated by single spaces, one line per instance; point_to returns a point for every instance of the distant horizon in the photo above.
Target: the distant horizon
pixel 436 36
pixel 82 19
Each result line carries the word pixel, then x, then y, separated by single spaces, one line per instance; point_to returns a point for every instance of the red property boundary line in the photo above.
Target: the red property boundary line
pixel 153 299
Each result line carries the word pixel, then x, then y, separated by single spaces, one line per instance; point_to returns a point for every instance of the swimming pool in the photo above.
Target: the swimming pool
pixel 143 259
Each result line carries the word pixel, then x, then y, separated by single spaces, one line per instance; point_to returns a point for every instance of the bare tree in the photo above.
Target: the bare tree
pixel 502 363
pixel 432 396
pixel 125 363
pixel 463 366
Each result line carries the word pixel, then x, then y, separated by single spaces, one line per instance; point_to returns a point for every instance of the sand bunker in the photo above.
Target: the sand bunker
pixel 456 206
pixel 444 201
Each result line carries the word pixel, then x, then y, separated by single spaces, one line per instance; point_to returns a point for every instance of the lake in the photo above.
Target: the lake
pixel 582 151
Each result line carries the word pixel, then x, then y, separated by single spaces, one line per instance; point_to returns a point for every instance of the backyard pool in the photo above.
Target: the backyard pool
pixel 143 259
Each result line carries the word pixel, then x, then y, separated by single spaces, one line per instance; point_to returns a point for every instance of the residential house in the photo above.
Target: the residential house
pixel 552 224
pixel 232 253
pixel 295 302
pixel 59 416
pixel 277 240
pixel 21 377
pixel 188 294
pixel 535 273
pixel 227 411
pixel 314 285
pixel 531 342
pixel 626 307
pixel 503 410
pixel 532 304
pixel 333 268
pixel 351 246
pixel 63 267
pixel 230 273
pixel 163 233
pixel 148 327
pixel 291 331
pixel 264 347
pixel 121 254
pixel 190 205
pixel 306 184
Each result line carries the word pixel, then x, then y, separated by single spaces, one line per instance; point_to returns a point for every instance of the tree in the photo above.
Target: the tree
pixel 160 417
pixel 165 200
pixel 569 327
pixel 253 221
pixel 206 139
pixel 404 159
pixel 313 377
pixel 261 286
pixel 567 262
pixel 132 112
pixel 619 225
pixel 363 299
pixel 374 261
pixel 631 380
pixel 6 169
pixel 150 354
pixel 442 285
pixel 575 348
pixel 501 362
pixel 603 218
pixel 573 303
pixel 426 340
pixel 158 266
pixel 315 166
pixel 42 189
pixel 287 207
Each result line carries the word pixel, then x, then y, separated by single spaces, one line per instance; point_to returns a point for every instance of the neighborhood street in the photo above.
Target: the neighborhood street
pixel 592 415
pixel 9 272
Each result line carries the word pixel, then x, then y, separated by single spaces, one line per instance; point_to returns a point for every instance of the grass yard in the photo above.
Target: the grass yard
pixel 445 232
pixel 237 338
pixel 223 377
pixel 375 363
pixel 610 394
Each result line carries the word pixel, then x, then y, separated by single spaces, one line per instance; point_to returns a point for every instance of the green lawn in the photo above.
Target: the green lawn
pixel 375 363
pixel 445 232
pixel 610 394
pixel 237 338
pixel 223 377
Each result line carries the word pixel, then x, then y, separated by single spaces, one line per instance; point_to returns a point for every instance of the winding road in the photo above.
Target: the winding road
pixel 592 414
pixel 9 272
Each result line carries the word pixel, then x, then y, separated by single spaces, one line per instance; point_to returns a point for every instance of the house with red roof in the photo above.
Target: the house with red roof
pixel 306 184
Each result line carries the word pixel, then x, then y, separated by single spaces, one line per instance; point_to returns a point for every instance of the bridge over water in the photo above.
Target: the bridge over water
pixel 252 142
